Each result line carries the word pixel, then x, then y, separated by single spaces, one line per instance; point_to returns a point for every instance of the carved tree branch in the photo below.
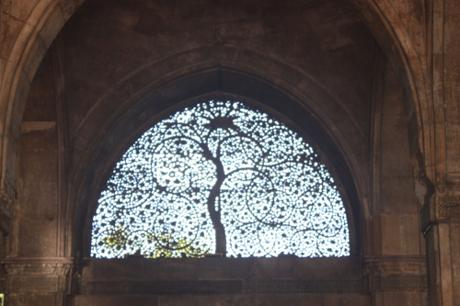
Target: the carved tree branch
pixel 214 213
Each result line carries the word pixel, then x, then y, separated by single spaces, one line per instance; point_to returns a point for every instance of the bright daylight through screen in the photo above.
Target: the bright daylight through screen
pixel 224 178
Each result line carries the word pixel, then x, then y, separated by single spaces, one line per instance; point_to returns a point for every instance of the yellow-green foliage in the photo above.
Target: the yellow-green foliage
pixel 164 245
pixel 117 239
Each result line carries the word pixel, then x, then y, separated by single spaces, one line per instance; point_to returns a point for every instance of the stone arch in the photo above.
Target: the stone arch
pixel 408 45
pixel 36 33
pixel 151 100
pixel 13 95
pixel 49 16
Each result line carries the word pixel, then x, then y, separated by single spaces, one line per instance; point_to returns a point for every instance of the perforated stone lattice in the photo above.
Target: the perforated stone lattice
pixel 220 177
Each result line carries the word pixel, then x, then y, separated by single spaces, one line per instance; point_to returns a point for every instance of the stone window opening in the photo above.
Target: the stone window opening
pixel 220 178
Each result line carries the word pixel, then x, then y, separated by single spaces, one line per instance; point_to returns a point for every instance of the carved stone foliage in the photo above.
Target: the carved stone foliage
pixel 220 177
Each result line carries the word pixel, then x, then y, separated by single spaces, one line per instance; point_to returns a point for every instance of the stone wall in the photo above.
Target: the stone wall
pixel 388 121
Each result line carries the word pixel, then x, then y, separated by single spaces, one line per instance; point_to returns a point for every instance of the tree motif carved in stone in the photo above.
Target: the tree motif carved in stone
pixel 220 178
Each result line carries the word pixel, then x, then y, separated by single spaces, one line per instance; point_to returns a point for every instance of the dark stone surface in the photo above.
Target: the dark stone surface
pixel 118 66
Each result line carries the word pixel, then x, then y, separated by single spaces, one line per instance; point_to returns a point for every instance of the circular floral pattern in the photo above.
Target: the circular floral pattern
pixel 220 177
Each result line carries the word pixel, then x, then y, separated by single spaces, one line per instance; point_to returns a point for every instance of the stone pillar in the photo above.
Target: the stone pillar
pixel 37 281
pixel 6 199
pixel 4 215
pixel 441 228
pixel 7 196
pixel 397 280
